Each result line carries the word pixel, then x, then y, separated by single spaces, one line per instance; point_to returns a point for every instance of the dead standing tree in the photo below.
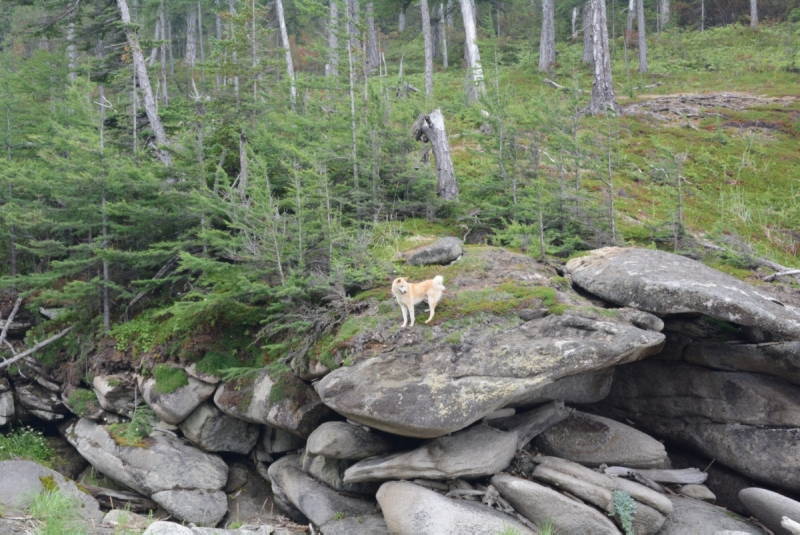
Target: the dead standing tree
pixel 430 129
pixel 547 40
pixel 603 97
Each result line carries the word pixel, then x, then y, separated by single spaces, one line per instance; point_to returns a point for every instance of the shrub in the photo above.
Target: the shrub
pixel 26 443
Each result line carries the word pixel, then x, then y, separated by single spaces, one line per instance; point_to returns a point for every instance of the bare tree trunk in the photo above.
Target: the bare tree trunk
pixel 574 23
pixel 664 14
pixel 244 176
pixel 631 15
pixel 401 19
pixel 642 36
pixel 373 52
pixel 475 85
pixel 287 52
pixel 72 52
pixel 163 54
pixel 134 113
pixel 200 36
pixel 428 40
pixel 218 80
pixel 352 89
pixel 106 300
pixel 443 34
pixel 353 30
pixel 702 15
pixel 588 39
pixel 547 39
pixel 190 55
pixel 234 58
pixel 603 98
pixel 144 84
pixel 170 48
pixel 153 57
pixel 253 48
pixel 754 13
pixel 430 128
pixel 332 67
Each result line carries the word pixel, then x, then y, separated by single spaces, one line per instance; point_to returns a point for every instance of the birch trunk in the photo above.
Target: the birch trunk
pixel 373 58
pixel 547 39
pixel 287 52
pixel 190 55
pixel 631 15
pixel 443 34
pixel 664 14
pixel 754 13
pixel 162 85
pixel 332 67
pixel 475 85
pixel 642 36
pixel 428 40
pixel 430 129
pixel 702 15
pixel 144 84
pixel 603 98
pixel 72 52
pixel 401 20
pixel 588 39
pixel 574 23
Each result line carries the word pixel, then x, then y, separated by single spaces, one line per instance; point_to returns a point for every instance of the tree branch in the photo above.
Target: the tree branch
pixel 35 348
pixel 10 319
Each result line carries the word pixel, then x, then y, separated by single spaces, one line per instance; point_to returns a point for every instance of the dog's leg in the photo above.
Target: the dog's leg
pixel 405 315
pixel 411 313
pixel 432 307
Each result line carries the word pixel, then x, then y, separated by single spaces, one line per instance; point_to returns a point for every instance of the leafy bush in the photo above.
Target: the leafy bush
pixel 26 443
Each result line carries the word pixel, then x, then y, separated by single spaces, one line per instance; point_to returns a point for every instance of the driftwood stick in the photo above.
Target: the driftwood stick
pixel 774 276
pixel 10 319
pixel 35 348
pixel 684 476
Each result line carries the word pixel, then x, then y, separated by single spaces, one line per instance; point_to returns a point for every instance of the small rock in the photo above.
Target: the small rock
pixel 595 440
pixel 700 518
pixel 475 452
pixel 698 492
pixel 318 502
pixel 6 402
pixel 213 430
pixel 541 504
pixel 331 472
pixel 442 251
pixel 126 520
pixel 769 507
pixel 340 440
pixel 198 506
pixel 176 406
pixel 167 528
pixel 116 393
pixel 409 509
pixel 356 525
pixel 201 376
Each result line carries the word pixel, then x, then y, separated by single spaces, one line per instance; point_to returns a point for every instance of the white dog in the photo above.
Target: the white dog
pixel 409 294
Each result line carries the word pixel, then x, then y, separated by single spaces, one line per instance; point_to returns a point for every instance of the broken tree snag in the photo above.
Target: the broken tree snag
pixel 430 129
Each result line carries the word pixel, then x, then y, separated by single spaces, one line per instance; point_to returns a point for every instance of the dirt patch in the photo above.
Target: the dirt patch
pixel 690 107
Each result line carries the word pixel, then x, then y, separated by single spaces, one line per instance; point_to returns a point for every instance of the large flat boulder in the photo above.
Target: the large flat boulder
pixel 293 406
pixel 315 500
pixel 21 481
pixel 770 508
pixel 700 518
pixel 541 504
pixel 174 407
pixel 442 251
pixel 212 430
pixel 779 359
pixel 431 389
pixel 163 463
pixel 410 509
pixel 475 452
pixel 665 283
pixel 594 440
pixel 747 422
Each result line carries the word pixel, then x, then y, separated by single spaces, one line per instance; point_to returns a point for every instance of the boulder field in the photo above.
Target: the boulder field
pixel 571 398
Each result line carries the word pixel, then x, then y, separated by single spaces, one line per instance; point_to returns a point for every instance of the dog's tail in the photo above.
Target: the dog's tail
pixel 438 280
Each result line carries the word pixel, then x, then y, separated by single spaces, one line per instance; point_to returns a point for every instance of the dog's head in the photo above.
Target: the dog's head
pixel 400 285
